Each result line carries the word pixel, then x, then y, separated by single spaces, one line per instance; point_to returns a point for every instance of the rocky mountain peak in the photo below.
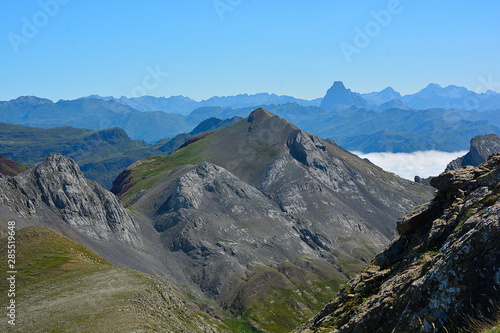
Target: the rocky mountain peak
pixel 340 97
pixel 440 273
pixel 481 147
pixel 259 115
pixel 58 164
pixel 55 189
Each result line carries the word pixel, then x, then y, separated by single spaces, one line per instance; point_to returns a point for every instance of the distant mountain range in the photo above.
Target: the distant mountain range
pixel 431 97
pixel 185 105
pixel 434 118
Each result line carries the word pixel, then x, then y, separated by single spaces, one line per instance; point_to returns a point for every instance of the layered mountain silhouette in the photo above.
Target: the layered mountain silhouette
pixel 259 218
pixel 94 114
pixel 457 113
pixel 185 105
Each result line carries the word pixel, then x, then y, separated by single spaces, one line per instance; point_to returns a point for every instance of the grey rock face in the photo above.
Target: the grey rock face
pixel 222 225
pixel 481 147
pixel 56 186
pixel 444 267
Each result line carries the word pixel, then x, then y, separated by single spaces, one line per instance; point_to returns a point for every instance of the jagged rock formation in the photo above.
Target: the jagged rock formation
pixel 444 267
pixel 55 190
pixel 274 208
pixel 481 147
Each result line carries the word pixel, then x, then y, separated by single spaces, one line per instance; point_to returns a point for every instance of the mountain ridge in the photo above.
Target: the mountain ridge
pixel 280 191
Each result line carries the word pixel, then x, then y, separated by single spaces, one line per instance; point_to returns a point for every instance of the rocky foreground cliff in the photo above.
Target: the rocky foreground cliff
pixel 442 272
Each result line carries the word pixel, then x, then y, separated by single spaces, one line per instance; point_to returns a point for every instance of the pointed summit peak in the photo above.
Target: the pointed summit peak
pixel 259 115
pixel 433 86
pixel 388 89
pixel 58 163
pixel 338 85
pixel 339 97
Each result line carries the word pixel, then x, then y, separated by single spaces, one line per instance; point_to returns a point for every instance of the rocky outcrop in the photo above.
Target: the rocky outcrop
pixel 481 147
pixel 56 187
pixel 442 270
pixel 423 181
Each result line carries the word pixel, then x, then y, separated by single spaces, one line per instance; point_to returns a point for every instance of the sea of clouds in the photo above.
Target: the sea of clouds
pixel 408 165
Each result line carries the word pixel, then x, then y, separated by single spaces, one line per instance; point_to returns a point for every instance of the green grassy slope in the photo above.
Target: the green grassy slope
pixel 63 287
pixel 10 168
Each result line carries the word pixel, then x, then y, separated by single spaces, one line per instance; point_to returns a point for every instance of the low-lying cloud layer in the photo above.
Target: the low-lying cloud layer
pixel 408 165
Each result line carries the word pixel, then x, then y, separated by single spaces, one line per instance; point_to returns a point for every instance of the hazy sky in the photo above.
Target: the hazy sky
pixel 201 48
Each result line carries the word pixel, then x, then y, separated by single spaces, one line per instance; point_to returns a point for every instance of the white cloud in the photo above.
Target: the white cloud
pixel 408 165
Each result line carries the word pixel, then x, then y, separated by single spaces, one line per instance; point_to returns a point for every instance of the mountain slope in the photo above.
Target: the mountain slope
pixel 393 103
pixel 481 147
pixel 83 293
pixel 440 273
pixel 10 168
pixel 284 214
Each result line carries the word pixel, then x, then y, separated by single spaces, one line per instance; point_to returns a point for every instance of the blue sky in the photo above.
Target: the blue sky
pixel 202 48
